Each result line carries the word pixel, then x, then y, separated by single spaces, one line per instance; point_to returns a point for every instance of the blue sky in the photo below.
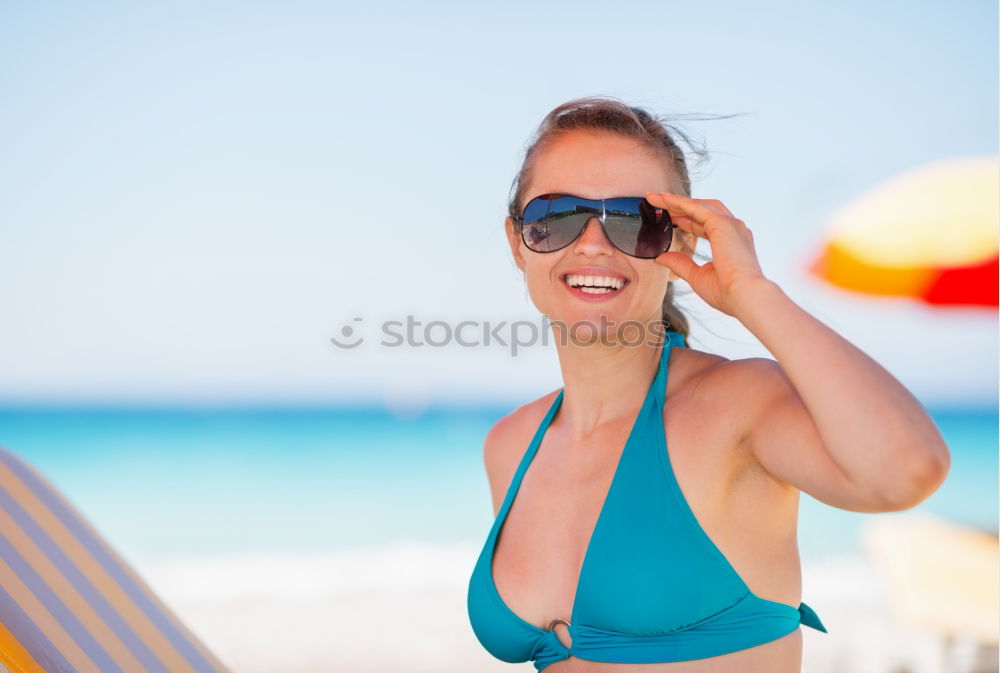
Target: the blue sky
pixel 194 198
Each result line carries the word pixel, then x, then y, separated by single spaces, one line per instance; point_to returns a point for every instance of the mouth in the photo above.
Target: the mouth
pixel 595 285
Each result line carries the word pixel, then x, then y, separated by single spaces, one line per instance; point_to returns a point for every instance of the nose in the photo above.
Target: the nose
pixel 592 239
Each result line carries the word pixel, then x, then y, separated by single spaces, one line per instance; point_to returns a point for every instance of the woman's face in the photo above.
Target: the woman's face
pixel 595 165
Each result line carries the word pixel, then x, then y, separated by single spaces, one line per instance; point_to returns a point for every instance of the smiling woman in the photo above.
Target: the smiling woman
pixel 646 511
pixel 556 220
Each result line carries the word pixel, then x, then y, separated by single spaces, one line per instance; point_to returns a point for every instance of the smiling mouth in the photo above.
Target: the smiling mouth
pixel 595 284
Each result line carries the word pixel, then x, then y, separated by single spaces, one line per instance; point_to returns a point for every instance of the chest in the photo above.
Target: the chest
pixel 576 522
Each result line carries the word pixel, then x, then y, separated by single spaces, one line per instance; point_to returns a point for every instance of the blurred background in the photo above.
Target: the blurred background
pixel 195 198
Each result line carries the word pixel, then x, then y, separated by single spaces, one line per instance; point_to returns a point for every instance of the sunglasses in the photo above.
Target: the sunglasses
pixel 550 222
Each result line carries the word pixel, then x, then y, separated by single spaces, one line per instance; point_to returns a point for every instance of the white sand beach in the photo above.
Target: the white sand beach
pixel 402 608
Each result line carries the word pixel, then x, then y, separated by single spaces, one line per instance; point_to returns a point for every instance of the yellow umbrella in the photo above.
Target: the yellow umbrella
pixel 930 233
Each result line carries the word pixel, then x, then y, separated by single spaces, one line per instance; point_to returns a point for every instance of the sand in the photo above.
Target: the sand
pixel 401 607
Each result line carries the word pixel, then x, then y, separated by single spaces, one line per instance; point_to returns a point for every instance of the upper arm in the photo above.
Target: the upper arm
pixel 783 439
pixel 498 458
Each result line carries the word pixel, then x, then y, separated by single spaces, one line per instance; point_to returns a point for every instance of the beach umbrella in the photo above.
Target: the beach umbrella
pixel 940 575
pixel 930 234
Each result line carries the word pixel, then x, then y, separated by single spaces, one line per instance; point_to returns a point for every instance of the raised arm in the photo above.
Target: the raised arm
pixel 826 418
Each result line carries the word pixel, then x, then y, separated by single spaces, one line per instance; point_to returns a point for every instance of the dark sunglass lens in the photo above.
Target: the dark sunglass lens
pixel 638 228
pixel 554 221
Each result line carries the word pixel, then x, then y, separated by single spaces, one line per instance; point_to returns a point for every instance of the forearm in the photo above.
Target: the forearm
pixel 872 427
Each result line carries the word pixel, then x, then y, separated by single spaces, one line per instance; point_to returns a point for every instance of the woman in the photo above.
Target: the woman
pixel 617 553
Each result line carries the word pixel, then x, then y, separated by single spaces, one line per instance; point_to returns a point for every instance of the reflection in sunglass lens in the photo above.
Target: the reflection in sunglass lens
pixel 553 221
pixel 638 228
pixel 633 225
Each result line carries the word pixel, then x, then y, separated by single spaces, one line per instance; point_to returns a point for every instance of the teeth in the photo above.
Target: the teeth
pixel 592 282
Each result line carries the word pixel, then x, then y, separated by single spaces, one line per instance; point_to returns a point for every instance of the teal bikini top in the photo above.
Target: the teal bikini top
pixel 653 587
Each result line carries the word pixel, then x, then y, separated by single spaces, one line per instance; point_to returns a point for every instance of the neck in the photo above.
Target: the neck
pixel 603 384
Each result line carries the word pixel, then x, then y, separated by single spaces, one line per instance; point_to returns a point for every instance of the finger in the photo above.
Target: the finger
pixel 679 263
pixel 717 206
pixel 697 211
pixel 685 223
pixel 680 220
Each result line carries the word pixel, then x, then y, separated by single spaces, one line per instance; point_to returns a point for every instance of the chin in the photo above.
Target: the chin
pixel 595 324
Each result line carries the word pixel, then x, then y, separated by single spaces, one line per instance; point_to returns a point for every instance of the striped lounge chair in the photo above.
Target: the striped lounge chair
pixel 68 602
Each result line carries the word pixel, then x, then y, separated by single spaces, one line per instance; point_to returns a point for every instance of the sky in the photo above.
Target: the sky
pixel 195 197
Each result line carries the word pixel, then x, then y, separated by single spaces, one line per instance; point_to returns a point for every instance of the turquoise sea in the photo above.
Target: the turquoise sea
pixel 163 482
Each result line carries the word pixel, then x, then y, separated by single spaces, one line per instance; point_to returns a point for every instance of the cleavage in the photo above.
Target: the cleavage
pixel 550 524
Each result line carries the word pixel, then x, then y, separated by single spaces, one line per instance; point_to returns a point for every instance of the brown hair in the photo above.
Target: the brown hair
pixel 605 113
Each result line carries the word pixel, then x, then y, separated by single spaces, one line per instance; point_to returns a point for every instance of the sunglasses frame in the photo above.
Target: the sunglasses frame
pixel 519 221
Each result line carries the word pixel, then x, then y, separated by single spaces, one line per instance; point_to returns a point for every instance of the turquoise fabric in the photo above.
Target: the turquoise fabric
pixel 654 587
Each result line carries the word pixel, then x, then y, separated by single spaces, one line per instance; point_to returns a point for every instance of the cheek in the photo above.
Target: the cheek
pixel 539 266
pixel 538 277
pixel 654 286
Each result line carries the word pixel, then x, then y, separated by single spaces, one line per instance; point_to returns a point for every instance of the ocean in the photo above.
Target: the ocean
pixel 204 481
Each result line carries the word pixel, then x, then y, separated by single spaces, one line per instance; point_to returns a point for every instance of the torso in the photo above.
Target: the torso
pixel 750 516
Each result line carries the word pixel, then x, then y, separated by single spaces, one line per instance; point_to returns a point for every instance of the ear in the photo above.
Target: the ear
pixel 514 239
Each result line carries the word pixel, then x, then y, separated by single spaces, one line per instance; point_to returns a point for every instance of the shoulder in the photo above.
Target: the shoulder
pixel 690 371
pixel 733 393
pixel 507 441
pixel 745 381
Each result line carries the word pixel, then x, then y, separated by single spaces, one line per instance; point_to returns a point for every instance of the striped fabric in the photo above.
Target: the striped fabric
pixel 68 602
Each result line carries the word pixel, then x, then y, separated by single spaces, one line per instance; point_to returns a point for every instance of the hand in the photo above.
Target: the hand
pixel 734 264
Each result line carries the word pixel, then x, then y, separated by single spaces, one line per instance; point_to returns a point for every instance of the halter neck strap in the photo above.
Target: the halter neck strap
pixel 671 340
